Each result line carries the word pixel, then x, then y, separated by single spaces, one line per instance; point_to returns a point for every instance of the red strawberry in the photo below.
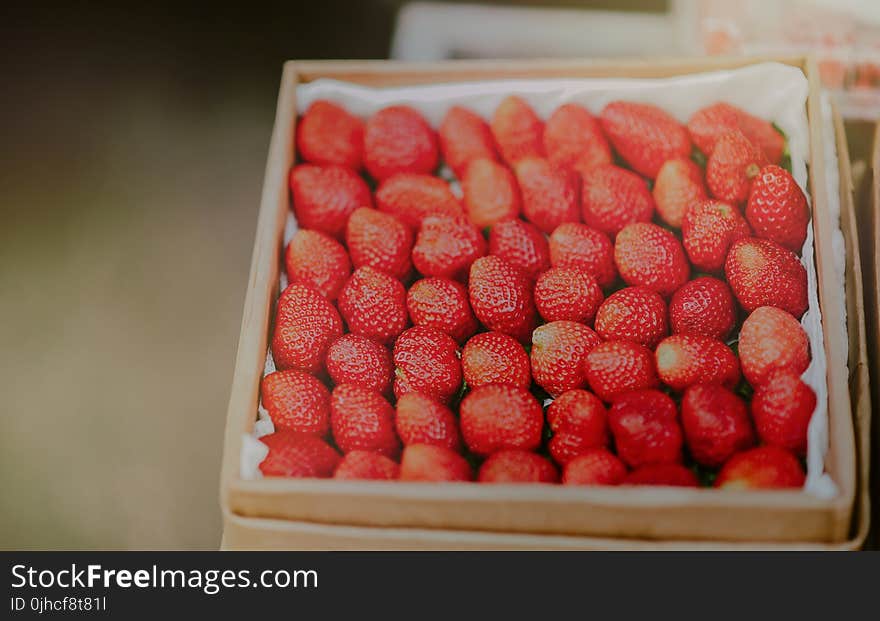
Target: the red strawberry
pixel 425 462
pixel 574 139
pixel 354 359
pixel 594 467
pixel 325 196
pixel 294 454
pixel 491 193
pixel 651 256
pixel 522 245
pixel 426 361
pixel 687 359
pixel 465 137
pixel 496 417
pixel 305 325
pixel 422 420
pixel 567 293
pixel 358 465
pixel 296 401
pixel 577 245
pixel 514 466
pixel 615 367
pixel 708 124
pixel 777 208
pixel 517 130
pixel 763 273
pixel 644 135
pixel 703 306
pixel 558 352
pixel 708 230
pixel 613 197
pixel 579 423
pixel 645 427
pixel 380 240
pixel 442 304
pixel 317 260
pixel 782 408
pixel 732 166
pixel 398 139
pixel 412 198
pixel 765 467
pixel 635 314
pixel 328 134
pixel 772 339
pixel 716 423
pixel 501 296
pixel 550 195
pixel 678 186
pixel 446 246
pixel 671 475
pixel 495 358
pixel 374 305
pixel 362 419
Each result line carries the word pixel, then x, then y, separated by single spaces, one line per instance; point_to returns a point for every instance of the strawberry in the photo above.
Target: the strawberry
pixel 465 137
pixel 708 230
pixel 422 420
pixel 491 193
pixel 413 197
pixel 495 358
pixel 328 134
pixel 772 339
pixel 613 197
pixel 708 124
pixel 579 423
pixel 574 139
pixel 635 314
pixel 670 475
pixel 513 466
pixel 296 401
pixel 765 467
pixel 398 139
pixel 577 245
pixel 777 208
pixel 426 361
pixel 379 240
pixel 522 245
pixel 305 325
pixel 782 408
pixel 426 462
pixel 763 273
pixel 501 296
pixel 703 306
pixel 650 256
pixel 687 359
pixel 442 304
pixel 558 352
pixel 355 359
pixel 716 423
pixel 732 166
pixel 644 135
pixel 496 417
pixel 615 367
pixel 374 305
pixel 362 419
pixel 645 427
pixel 315 259
pixel 299 455
pixel 678 186
pixel 567 293
pixel 517 130
pixel 358 465
pixel 594 467
pixel 446 246
pixel 550 195
pixel 325 196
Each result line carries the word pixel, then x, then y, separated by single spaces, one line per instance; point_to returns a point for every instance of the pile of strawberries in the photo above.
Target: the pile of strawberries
pixel 591 300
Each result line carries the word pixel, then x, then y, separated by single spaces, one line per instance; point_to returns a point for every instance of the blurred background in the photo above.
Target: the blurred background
pixel 133 146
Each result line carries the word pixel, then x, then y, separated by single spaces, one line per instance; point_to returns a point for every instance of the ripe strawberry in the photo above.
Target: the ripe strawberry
pixel 765 467
pixel 305 325
pixel 595 466
pixel 380 240
pixel 716 423
pixel 517 130
pixel 495 358
pixel 687 359
pixel 671 475
pixel 703 306
pixel 708 124
pixel 613 197
pixel 558 352
pixel 426 361
pixel 465 137
pixel 491 193
pixel 398 139
pixel 374 305
pixel 412 198
pixel 777 208
pixel 645 427
pixel 495 417
pixel 782 408
pixel 644 135
pixel 299 455
pixel 772 339
pixel 708 230
pixel 635 314
pixel 579 423
pixel 296 401
pixel 358 465
pixel 442 304
pixel 446 246
pixel 315 259
pixel 514 466
pixel 550 195
pixel 328 134
pixel 567 293
pixel 763 273
pixel 325 196
pixel 501 296
pixel 426 462
pixel 732 166
pixel 650 256
pixel 522 245
pixel 678 186
pixel 422 420
pixel 577 245
pixel 615 367
pixel 362 419
pixel 574 139
pixel 355 359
